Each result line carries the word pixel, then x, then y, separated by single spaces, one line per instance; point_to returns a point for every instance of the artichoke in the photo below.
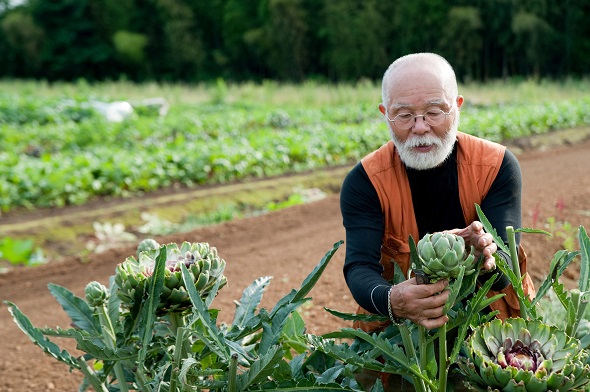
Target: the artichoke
pixel 96 294
pixel 523 355
pixel 147 245
pixel 441 256
pixel 202 261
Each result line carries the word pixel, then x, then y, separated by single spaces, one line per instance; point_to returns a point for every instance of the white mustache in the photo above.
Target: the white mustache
pixel 424 140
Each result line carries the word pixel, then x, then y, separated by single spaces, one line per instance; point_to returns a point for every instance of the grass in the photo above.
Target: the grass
pixel 309 94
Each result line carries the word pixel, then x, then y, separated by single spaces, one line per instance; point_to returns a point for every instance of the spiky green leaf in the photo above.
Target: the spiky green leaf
pixel 148 311
pixel 560 261
pixel 584 280
pixel 210 334
pixel 309 281
pixel 249 302
pixel 77 308
pixel 357 317
pixel 490 229
pixel 37 337
pixel 532 231
pixel 99 350
pixel 260 369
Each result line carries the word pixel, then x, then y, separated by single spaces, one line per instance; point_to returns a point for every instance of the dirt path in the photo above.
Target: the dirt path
pixel 286 245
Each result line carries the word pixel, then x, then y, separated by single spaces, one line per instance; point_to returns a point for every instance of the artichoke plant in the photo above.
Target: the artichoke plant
pixel 202 261
pixel 441 256
pixel 520 355
pixel 96 294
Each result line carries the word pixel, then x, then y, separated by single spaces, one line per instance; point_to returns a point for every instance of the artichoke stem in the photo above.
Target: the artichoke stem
pixel 91 376
pixel 411 354
pixel 176 321
pixel 182 345
pixel 233 373
pixel 442 358
pixel 515 266
pixel 179 355
pixel 422 346
pixel 109 334
pixel 142 381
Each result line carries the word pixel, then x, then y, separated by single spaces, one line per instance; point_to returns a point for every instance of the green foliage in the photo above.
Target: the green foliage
pixel 24 37
pixel 130 46
pixel 288 40
pixel 60 151
pixel 179 351
pixel 21 252
pixel 266 349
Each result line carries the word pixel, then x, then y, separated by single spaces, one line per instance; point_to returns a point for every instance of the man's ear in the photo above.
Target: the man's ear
pixel 382 108
pixel 459 101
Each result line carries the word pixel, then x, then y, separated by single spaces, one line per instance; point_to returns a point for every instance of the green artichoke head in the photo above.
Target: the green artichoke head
pixel 441 256
pixel 96 294
pixel 147 245
pixel 506 356
pixel 201 260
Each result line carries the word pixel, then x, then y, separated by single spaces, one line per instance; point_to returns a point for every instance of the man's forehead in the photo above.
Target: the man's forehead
pixel 401 104
pixel 407 85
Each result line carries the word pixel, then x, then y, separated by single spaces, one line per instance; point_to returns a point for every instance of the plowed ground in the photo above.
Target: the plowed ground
pixel 285 245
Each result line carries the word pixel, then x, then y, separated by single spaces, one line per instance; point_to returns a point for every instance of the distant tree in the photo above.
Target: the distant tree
pixel 130 48
pixel 210 20
pixel 461 41
pixel 73 47
pixel 25 40
pixel 337 40
pixel 282 39
pixel 534 38
pixel 498 37
pixel 416 26
pixel 241 30
pixel 184 55
pixel 578 33
pixel 355 40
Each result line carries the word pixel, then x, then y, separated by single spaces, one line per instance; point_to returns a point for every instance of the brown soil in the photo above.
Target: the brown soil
pixel 285 245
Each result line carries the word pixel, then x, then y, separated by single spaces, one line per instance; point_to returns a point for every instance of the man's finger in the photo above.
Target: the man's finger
pixel 489 264
pixel 432 323
pixel 430 303
pixel 476 226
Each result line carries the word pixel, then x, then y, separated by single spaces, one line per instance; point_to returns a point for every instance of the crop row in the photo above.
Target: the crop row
pixel 58 152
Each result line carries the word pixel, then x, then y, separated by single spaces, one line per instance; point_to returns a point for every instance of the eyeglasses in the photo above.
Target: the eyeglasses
pixel 433 117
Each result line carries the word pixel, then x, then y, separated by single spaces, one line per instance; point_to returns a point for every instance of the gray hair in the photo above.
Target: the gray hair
pixel 422 59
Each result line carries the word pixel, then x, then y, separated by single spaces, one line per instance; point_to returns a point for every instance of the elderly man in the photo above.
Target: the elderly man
pixel 426 179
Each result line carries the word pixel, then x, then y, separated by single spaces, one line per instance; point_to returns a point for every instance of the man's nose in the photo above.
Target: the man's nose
pixel 420 125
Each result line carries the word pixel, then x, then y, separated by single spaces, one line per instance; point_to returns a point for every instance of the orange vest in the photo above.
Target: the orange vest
pixel 478 163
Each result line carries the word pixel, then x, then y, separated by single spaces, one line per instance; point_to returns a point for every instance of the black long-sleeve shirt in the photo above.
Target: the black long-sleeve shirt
pixel 435 195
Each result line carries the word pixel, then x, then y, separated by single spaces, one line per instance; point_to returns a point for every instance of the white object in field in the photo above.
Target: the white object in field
pixel 113 111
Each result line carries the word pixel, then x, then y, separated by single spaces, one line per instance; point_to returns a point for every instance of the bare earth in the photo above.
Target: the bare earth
pixel 286 245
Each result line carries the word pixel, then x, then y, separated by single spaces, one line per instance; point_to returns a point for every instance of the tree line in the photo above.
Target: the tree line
pixel 289 40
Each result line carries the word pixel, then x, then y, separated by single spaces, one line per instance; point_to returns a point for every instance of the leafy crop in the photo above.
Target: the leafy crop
pixel 141 345
pixel 58 151
pixel 17 251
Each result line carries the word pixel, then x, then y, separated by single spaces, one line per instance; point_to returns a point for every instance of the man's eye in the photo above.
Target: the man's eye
pixel 404 116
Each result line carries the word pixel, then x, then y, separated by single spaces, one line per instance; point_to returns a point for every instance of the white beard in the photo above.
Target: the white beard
pixel 442 148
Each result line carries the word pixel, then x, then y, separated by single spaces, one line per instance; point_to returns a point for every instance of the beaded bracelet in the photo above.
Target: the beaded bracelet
pixel 394 319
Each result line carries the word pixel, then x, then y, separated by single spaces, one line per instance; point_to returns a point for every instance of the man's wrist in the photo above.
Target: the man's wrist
pixel 392 317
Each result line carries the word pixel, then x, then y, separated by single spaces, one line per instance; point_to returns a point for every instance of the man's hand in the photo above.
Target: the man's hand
pixel 422 304
pixel 482 242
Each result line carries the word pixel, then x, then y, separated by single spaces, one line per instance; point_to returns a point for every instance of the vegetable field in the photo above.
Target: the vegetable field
pixel 58 149
pixel 284 244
